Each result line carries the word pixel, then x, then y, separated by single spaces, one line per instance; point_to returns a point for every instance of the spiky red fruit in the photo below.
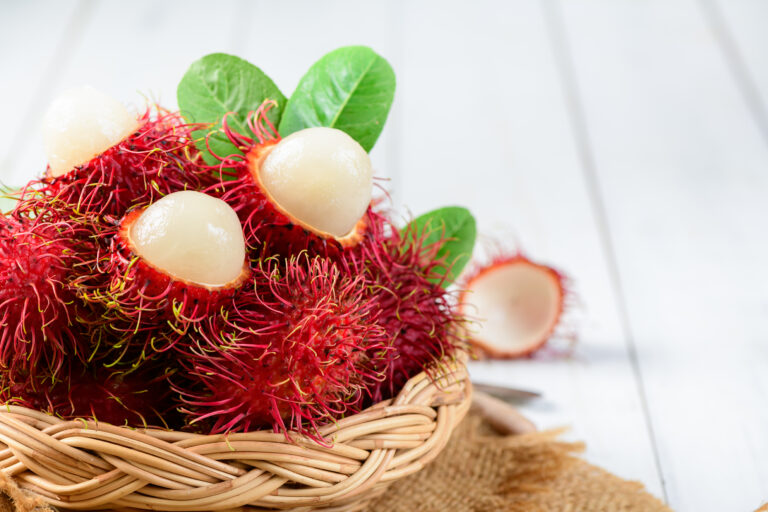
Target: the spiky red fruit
pixel 289 213
pixel 301 354
pixel 135 398
pixel 404 279
pixel 519 304
pixel 38 307
pixel 169 266
pixel 155 160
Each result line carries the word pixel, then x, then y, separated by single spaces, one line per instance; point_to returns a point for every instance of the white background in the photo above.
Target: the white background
pixel 625 142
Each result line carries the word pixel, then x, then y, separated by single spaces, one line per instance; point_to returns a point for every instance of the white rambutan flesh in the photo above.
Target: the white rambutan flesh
pixel 81 124
pixel 320 176
pixel 519 304
pixel 191 236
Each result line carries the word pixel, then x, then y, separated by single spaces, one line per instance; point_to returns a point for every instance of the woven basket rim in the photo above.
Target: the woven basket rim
pixel 89 465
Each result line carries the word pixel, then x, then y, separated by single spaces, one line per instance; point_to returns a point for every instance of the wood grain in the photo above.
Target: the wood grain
pixel 624 142
pixel 488 126
pixel 681 166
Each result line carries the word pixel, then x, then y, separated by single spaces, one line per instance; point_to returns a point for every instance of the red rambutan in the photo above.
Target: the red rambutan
pixel 38 307
pixel 303 353
pixel 308 191
pixel 169 266
pixel 137 398
pixel 519 303
pixel 103 160
pixel 404 280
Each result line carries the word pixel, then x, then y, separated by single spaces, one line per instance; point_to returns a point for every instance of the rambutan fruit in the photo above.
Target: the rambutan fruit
pixel 307 191
pixel 137 398
pixel 404 279
pixel 170 265
pixel 104 160
pixel 80 124
pixel 304 351
pixel 38 306
pixel 519 304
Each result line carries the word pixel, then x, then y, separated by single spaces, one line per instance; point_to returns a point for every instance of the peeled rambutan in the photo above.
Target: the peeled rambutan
pixel 169 266
pixel 518 303
pixel 38 307
pixel 104 160
pixel 136 398
pixel 308 191
pixel 303 353
pixel 404 278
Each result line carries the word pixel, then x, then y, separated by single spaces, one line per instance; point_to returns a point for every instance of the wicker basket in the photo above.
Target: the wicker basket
pixel 86 465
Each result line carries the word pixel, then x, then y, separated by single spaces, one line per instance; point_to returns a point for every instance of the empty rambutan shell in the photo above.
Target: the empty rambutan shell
pixel 38 307
pixel 302 341
pixel 518 304
pixel 104 160
pixel 308 191
pixel 171 264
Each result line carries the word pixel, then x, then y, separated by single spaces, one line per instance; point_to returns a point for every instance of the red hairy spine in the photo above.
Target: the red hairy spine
pixel 404 281
pixel 134 398
pixel 266 225
pixel 136 297
pixel 39 311
pixel 155 160
pixel 303 352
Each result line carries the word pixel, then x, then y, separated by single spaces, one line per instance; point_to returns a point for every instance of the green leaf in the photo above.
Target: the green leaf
pixel 455 227
pixel 220 83
pixel 350 89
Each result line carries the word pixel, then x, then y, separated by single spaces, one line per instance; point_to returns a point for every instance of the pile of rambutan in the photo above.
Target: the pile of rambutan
pixel 225 268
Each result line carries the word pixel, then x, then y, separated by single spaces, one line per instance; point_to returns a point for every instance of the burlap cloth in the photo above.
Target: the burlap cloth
pixel 483 471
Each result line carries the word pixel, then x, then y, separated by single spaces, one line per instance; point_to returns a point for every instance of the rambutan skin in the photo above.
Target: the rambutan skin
pixel 156 160
pixel 140 304
pixel 505 259
pixel 266 225
pixel 403 276
pixel 302 355
pixel 39 310
pixel 120 396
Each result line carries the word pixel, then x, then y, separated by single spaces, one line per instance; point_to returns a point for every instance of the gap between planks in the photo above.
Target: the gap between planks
pixel 564 61
pixel 737 64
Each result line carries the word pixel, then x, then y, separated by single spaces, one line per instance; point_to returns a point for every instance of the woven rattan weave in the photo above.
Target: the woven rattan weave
pixel 86 465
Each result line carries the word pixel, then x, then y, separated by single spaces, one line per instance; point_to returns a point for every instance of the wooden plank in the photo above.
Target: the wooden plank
pixel 130 49
pixel 744 22
pixel 33 42
pixel 484 124
pixel 682 168
pixel 739 26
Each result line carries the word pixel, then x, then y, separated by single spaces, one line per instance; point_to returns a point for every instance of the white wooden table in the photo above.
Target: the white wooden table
pixel 625 142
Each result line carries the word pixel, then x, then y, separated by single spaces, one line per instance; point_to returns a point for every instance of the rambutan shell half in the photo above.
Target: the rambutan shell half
pixel 157 158
pixel 267 220
pixel 136 295
pixel 156 281
pixel 256 158
pixel 518 304
pixel 322 176
pixel 190 235
pixel 82 123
